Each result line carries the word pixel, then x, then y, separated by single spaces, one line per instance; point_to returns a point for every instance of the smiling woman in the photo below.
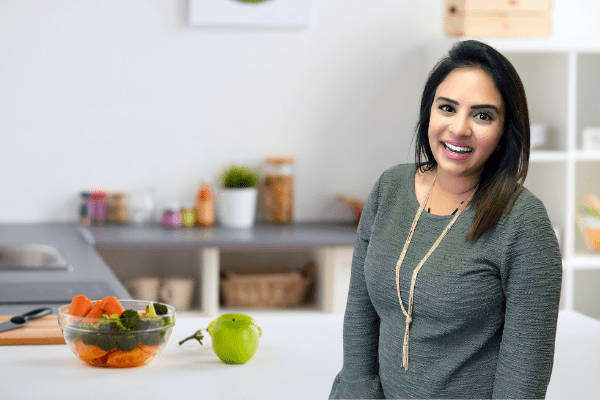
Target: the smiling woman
pixel 461 301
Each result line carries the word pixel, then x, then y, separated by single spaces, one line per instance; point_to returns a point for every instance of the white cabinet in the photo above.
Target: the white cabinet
pixel 562 83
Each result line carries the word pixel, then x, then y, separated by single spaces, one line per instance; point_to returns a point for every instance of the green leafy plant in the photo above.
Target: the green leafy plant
pixel 239 177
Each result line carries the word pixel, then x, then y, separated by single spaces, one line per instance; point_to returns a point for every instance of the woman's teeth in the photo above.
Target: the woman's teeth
pixel 456 149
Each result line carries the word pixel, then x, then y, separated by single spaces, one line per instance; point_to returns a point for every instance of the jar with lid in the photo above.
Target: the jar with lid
pixel 118 211
pixel 171 217
pixel 278 187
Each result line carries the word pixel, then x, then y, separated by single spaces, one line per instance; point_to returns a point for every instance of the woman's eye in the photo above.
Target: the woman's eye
pixel 446 108
pixel 483 116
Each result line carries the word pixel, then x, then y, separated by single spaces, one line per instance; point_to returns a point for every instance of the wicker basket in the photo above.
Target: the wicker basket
pixel 268 288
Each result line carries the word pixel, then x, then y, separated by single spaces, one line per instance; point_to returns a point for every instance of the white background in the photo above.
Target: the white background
pixel 127 94
pixel 237 12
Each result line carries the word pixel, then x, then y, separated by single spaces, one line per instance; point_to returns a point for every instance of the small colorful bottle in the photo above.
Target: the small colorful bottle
pixel 188 215
pixel 84 209
pixel 205 211
pixel 99 204
pixel 171 217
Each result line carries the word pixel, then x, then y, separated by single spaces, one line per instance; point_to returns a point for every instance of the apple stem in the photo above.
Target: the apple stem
pixel 197 335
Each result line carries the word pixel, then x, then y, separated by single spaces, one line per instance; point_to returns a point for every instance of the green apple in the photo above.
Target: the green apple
pixel 234 337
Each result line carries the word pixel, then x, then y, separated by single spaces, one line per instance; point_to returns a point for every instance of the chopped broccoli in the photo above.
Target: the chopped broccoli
pixel 150 311
pixel 160 309
pixel 106 323
pixel 130 319
pixel 106 342
pixel 152 338
pixel 126 342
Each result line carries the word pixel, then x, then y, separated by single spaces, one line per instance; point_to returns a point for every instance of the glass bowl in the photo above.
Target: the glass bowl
pixel 104 342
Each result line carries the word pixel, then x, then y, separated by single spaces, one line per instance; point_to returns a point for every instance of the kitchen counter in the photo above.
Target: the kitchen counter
pixel 87 269
pixel 263 235
pixel 298 357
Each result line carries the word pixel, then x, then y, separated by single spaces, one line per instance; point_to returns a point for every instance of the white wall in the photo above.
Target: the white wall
pixel 124 94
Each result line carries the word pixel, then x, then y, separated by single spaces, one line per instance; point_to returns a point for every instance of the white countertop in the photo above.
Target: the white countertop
pixel 298 357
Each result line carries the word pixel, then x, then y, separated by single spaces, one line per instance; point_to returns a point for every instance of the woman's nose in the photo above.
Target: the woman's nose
pixel 460 125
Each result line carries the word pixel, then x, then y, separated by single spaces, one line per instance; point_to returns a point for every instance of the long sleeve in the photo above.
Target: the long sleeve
pixel 359 376
pixel 531 280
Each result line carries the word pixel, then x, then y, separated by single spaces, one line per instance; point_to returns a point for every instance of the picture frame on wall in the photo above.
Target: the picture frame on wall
pixel 248 13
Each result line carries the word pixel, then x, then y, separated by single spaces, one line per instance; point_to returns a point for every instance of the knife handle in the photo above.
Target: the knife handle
pixel 37 313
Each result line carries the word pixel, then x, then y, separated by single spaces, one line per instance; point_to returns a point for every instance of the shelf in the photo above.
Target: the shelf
pixel 582 261
pixel 560 156
pixel 548 156
pixel 582 155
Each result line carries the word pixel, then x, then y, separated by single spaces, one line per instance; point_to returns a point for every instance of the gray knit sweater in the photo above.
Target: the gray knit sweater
pixel 484 313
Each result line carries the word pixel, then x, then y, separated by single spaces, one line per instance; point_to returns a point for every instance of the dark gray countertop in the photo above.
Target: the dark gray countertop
pixel 310 234
pixel 89 272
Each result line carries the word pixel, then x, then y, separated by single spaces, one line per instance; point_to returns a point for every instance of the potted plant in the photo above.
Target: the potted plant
pixel 238 194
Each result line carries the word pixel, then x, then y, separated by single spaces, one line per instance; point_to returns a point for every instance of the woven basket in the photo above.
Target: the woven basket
pixel 268 288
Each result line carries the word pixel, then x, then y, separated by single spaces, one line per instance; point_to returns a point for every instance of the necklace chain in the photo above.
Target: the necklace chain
pixel 408 314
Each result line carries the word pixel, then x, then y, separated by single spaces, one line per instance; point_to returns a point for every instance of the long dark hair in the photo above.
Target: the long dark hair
pixel 505 171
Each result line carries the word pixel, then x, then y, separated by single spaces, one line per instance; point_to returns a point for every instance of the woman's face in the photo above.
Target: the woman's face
pixel 466 122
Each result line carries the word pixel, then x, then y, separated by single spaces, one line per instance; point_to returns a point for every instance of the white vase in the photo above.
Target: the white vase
pixel 237 207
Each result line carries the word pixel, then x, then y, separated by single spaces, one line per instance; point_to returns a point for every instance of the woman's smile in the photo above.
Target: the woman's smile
pixel 456 150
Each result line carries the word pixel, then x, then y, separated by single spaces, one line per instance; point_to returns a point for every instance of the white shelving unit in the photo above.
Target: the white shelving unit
pixel 562 82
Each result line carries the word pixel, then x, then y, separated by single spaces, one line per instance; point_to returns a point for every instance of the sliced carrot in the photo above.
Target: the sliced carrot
pixel 80 306
pixel 149 350
pixel 124 359
pixel 88 352
pixel 95 311
pixel 110 306
pixel 101 361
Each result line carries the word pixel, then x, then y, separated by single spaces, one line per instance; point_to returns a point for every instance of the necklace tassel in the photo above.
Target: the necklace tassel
pixel 405 345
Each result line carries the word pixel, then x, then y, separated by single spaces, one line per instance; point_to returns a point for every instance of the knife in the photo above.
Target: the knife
pixel 21 320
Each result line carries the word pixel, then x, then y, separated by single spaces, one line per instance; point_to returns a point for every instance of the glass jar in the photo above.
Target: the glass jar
pixel 118 211
pixel 278 196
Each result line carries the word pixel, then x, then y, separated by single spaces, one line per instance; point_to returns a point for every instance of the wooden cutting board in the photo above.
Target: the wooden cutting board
pixel 43 330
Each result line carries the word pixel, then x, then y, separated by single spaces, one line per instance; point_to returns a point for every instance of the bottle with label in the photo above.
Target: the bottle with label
pixel 278 198
pixel 205 210
pixel 100 206
pixel 84 209
pixel 188 215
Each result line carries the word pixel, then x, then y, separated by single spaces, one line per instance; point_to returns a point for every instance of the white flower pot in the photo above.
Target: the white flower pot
pixel 237 207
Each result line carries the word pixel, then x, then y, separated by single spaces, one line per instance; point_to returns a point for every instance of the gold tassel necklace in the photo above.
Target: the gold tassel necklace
pixel 408 314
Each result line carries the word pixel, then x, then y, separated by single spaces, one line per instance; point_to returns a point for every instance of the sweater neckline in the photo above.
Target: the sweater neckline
pixel 416 204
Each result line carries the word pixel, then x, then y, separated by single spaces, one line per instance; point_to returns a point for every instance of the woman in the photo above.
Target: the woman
pixel 456 271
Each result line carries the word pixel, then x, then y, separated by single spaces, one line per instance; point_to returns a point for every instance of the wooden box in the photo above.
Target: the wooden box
pixel 498 18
